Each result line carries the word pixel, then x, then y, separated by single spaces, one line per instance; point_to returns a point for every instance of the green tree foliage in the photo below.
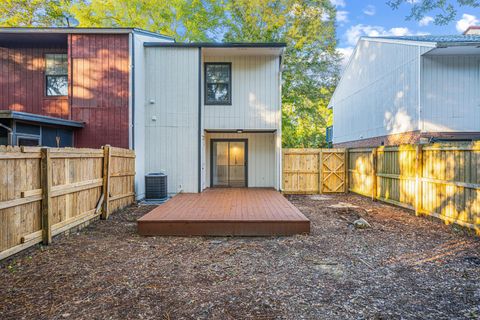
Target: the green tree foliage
pixel 310 65
pixel 186 20
pixel 28 13
pixel 444 10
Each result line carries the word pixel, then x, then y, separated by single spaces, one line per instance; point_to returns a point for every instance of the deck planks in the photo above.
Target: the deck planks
pixel 225 212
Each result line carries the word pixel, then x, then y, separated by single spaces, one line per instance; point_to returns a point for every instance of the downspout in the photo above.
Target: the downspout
pixel 279 131
pixel 199 119
pixel 132 71
pixel 419 93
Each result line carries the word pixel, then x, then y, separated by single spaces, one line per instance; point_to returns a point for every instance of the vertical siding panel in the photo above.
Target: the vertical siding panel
pixel 171 140
pixel 22 84
pixel 100 89
pixel 253 77
pixel 451 93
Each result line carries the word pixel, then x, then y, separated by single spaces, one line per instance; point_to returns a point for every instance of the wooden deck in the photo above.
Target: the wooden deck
pixel 225 212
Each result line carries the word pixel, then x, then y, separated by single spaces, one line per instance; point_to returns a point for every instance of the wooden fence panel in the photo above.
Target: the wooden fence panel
pixel 122 176
pixel 441 180
pixel 312 171
pixel 395 175
pixel 360 170
pixel 74 198
pixel 301 171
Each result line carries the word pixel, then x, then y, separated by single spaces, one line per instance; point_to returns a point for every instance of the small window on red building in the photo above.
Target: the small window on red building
pixel 56 74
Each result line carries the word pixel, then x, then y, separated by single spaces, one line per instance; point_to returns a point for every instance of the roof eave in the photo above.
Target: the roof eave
pixel 36 118
pixel 218 45
pixel 400 41
pixel 81 30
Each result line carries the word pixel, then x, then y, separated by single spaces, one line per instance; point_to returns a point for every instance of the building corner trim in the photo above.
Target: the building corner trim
pixel 199 120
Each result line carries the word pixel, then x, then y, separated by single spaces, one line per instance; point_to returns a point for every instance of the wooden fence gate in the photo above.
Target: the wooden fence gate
pixel 333 174
pixel 311 171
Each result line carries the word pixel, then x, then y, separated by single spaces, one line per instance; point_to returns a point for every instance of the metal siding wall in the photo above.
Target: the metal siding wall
pixel 172 140
pixel 22 82
pixel 100 91
pixel 261 157
pixel 378 93
pixel 255 95
pixel 451 93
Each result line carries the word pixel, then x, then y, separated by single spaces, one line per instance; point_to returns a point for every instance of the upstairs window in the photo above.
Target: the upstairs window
pixel 218 83
pixel 56 74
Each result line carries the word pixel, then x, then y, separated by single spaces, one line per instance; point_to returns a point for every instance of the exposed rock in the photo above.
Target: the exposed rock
pixel 320 197
pixel 342 205
pixel 361 224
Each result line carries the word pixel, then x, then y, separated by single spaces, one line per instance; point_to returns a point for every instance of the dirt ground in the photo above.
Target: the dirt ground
pixel 403 267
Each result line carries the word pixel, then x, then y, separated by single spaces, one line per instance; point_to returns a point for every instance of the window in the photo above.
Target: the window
pixel 218 83
pixel 56 74
pixel 28 141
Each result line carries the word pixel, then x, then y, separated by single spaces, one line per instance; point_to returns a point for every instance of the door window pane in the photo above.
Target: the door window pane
pixel 220 164
pixel 237 164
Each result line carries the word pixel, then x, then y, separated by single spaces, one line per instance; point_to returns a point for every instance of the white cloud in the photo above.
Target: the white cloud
pixel 355 32
pixel 338 3
pixel 466 21
pixel 398 32
pixel 370 10
pixel 425 21
pixel 342 16
pixel 346 53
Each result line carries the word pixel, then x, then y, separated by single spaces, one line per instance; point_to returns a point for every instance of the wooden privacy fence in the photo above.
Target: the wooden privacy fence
pixel 440 180
pixel 46 191
pixel 310 171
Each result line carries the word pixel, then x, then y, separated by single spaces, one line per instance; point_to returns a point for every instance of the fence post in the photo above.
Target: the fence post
pixel 106 181
pixel 46 177
pixel 320 171
pixel 347 172
pixel 418 178
pixel 374 174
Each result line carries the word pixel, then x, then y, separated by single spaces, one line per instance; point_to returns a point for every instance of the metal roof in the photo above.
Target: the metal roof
pixel 31 117
pixel 447 40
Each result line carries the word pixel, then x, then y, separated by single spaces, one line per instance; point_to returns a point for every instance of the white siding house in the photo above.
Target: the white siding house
pixel 401 89
pixel 137 103
pixel 200 140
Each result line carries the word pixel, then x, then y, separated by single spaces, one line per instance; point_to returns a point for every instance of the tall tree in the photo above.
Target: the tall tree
pixel 444 10
pixel 187 20
pixel 310 66
pixel 28 13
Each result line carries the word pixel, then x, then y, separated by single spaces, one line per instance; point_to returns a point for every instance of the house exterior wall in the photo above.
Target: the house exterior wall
pixel 100 89
pixel 22 82
pixel 450 93
pixel 261 157
pixel 139 104
pixel 378 93
pixel 171 116
pixel 255 95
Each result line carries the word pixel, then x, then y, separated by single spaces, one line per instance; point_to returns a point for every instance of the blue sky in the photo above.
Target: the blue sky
pixel 357 18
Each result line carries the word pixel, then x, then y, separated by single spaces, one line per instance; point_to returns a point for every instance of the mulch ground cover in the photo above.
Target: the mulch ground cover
pixel 402 267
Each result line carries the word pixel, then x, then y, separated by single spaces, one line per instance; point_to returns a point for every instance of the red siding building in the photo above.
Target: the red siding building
pixel 79 80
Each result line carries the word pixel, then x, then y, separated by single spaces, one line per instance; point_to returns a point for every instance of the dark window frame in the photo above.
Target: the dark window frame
pixel 212 141
pixel 206 83
pixel 55 75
